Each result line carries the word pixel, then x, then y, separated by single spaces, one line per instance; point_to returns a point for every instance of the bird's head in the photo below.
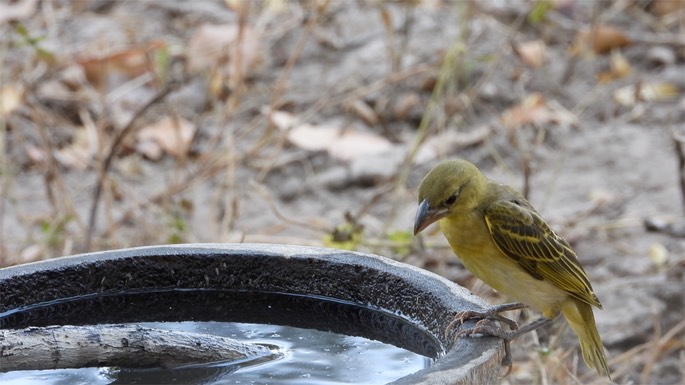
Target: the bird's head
pixel 451 187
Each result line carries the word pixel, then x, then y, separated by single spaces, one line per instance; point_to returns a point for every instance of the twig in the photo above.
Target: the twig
pixel 52 176
pixel 661 347
pixel 266 194
pixel 679 147
pixel 105 165
pixel 207 170
pixel 527 173
pixel 6 180
pixel 386 19
pixel 569 26
pixel 629 357
pixel 282 82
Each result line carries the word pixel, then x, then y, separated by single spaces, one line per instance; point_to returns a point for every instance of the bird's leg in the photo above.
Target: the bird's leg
pixel 490 313
pixel 487 328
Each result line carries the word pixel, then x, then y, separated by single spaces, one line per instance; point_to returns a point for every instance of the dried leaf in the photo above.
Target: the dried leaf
pixel 237 6
pixel 363 110
pixel 658 254
pixel 645 91
pixel 17 11
pixel 619 64
pixel 532 110
pixel 342 144
pixel 602 197
pixel 405 105
pixel 149 149
pixel 129 63
pixel 532 53
pixel 31 253
pixel 80 152
pixel 600 39
pixel 448 141
pixel 353 144
pixel 35 154
pixel 275 6
pixel 620 67
pixel 216 46
pixel 535 110
pixel 168 135
pixel 11 98
pixel 664 7
pixel 658 91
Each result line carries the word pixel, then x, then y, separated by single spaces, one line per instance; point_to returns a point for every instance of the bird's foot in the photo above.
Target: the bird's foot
pixel 491 313
pixel 488 325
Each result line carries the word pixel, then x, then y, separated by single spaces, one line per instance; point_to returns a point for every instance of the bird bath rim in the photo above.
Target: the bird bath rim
pixel 423 298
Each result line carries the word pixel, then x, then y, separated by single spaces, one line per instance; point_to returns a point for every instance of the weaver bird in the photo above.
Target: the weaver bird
pixel 502 240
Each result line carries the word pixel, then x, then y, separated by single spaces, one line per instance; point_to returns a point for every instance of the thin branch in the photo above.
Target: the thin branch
pixel 105 165
pixel 282 83
pixel 128 346
pixel 679 147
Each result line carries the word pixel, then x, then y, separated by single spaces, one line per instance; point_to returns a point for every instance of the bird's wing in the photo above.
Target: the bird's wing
pixel 521 234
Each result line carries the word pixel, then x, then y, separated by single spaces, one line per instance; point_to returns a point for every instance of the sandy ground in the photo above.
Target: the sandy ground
pixel 311 141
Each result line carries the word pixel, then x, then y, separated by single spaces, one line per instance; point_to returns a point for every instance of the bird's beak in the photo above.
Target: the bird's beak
pixel 426 215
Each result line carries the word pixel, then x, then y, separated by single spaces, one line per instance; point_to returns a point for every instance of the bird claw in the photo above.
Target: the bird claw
pixel 487 314
pixel 489 328
pixel 486 326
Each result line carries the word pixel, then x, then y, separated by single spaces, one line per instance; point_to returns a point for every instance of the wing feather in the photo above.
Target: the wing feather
pixel 521 234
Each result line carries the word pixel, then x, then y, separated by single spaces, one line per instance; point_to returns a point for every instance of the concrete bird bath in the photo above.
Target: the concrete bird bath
pixel 332 290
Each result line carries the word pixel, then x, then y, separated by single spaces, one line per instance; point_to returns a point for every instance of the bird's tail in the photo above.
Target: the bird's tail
pixel 582 321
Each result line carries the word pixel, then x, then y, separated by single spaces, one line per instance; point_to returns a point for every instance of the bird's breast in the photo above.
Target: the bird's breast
pixel 471 241
pixel 467 234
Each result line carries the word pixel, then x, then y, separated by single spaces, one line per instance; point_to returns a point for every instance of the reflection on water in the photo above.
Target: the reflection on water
pixel 310 357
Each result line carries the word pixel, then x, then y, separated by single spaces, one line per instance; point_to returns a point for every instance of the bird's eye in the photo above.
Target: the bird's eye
pixel 450 201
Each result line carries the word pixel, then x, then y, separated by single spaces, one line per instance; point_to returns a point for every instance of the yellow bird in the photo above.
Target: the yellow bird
pixel 503 241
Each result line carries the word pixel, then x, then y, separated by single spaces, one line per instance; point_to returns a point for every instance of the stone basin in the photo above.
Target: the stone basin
pixel 325 289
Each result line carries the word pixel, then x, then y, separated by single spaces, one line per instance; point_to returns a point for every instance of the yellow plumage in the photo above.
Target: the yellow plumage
pixel 503 241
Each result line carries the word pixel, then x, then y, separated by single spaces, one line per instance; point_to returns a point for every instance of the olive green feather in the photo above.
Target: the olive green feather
pixel 521 234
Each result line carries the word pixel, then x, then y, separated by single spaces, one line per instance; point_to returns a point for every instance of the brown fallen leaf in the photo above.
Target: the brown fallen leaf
pixel 405 105
pixel 645 91
pixel 104 70
pixel 535 110
pixel 665 7
pixel 532 53
pixel 167 135
pixel 600 39
pixel 347 145
pixel 363 111
pixel 620 68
